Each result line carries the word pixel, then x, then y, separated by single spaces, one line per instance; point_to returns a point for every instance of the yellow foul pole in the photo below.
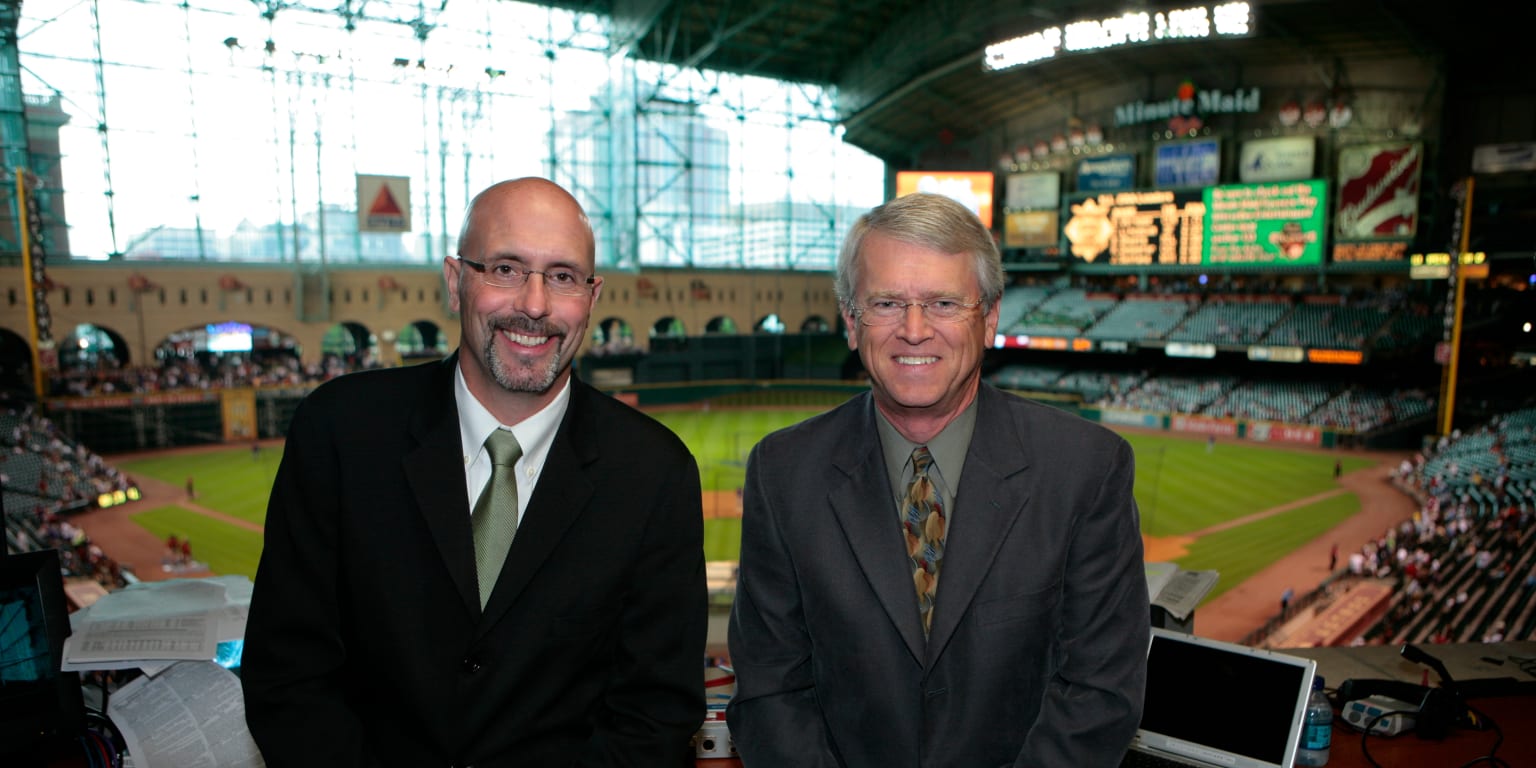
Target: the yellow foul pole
pixel 24 227
pixel 1459 280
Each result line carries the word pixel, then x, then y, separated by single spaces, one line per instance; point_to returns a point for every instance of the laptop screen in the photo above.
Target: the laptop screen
pixel 1205 695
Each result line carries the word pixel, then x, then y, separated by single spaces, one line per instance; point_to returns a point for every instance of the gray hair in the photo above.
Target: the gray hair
pixel 929 220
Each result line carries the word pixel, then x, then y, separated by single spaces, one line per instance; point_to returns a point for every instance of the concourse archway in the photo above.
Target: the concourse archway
pixel 421 341
pixel 349 343
pixel 93 348
pixel 612 336
pixel 770 324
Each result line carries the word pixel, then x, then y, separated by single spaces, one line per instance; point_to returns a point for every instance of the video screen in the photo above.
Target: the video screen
pixel 229 337
pixel 972 189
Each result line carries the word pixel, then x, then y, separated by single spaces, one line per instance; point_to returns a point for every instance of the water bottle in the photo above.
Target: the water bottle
pixel 1317 733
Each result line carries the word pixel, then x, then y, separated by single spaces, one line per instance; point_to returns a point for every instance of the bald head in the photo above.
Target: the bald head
pixel 530 196
pixel 525 244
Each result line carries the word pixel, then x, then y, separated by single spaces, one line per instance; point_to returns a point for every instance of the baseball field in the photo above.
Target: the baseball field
pixel 1232 507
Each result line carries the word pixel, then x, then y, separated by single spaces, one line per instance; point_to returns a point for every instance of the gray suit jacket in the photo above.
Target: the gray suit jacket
pixel 1037 655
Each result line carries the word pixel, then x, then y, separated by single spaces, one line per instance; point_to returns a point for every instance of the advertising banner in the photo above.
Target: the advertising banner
pixel 1265 225
pixel 1284 158
pixel 972 189
pixel 1033 191
pixel 1378 191
pixel 1503 158
pixel 1203 425
pixel 238 407
pixel 1031 229
pixel 1275 432
pixel 1106 173
pixel 1383 250
pixel 383 203
pixel 1187 164
pixel 1128 418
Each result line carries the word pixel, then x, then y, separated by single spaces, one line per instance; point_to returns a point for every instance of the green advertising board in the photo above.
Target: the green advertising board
pixel 1274 224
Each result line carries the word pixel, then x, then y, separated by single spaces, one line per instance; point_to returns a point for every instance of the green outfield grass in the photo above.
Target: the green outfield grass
pixel 226 549
pixel 721 439
pixel 1183 485
pixel 231 480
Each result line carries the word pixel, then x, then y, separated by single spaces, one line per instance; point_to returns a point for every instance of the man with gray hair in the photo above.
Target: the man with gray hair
pixel 936 573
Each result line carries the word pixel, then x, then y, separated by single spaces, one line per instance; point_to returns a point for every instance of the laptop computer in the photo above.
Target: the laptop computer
pixel 1213 703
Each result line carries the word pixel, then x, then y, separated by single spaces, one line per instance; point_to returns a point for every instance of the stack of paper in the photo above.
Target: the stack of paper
pixel 1176 590
pixel 193 714
pixel 153 624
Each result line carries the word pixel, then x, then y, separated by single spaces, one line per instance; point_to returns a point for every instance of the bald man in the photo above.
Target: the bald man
pixel 388 628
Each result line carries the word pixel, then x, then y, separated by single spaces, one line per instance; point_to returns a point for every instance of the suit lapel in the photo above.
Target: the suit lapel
pixel 867 515
pixel 434 469
pixel 994 490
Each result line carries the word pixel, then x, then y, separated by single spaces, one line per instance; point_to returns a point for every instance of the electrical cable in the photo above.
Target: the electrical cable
pixel 1365 734
pixel 1527 664
pixel 111 738
pixel 1489 759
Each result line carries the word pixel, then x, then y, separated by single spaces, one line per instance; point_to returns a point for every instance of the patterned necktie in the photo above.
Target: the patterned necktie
pixel 924 523
pixel 495 516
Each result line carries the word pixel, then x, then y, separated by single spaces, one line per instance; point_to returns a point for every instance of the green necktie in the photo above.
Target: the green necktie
pixel 495 516
pixel 924 524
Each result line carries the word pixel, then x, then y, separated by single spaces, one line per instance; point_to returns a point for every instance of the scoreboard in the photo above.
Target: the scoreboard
pixel 1263 225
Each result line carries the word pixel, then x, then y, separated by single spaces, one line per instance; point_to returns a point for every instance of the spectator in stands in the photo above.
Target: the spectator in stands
pixel 374 620
pixel 1033 650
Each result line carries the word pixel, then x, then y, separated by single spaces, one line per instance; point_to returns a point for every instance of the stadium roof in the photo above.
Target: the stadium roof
pixel 909 72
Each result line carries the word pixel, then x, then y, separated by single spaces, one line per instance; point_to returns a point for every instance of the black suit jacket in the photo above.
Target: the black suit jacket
pixel 1037 652
pixel 366 644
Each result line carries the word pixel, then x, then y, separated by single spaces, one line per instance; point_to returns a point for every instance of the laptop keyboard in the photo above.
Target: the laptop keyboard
pixel 1135 759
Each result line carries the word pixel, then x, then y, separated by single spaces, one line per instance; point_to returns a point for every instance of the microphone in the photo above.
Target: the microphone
pixel 1418 655
pixel 1442 707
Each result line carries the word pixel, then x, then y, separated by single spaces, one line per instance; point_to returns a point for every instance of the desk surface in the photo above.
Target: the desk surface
pixel 1464 661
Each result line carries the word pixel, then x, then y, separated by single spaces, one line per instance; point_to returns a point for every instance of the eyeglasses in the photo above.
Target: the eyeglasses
pixel 945 309
pixel 508 274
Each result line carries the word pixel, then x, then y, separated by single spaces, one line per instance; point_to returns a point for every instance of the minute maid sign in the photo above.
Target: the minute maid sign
pixel 1189 102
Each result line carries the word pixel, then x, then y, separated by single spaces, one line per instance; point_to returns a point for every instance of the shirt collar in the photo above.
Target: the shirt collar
pixel 949 448
pixel 534 434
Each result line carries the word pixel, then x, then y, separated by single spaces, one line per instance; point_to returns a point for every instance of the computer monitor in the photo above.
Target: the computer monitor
pixel 38 702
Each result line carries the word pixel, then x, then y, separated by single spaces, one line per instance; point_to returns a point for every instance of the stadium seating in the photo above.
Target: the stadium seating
pixel 1140 319
pixel 46 475
pixel 1064 313
pixel 1327 326
pixel 1028 377
pixel 1174 394
pixel 1229 323
pixel 1017 301
pixel 1466 565
pixel 1289 402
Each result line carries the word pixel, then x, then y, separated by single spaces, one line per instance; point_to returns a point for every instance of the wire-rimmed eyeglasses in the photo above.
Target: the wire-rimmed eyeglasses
pixel 944 309
pixel 509 274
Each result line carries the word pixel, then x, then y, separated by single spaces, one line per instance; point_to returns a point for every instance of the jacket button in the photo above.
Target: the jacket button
pixel 471 666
